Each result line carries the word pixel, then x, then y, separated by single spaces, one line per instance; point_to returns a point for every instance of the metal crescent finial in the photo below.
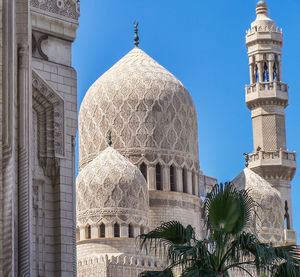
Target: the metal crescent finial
pixel 109 139
pixel 136 31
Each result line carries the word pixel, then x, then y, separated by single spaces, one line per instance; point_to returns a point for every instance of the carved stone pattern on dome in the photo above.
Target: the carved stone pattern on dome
pixel 268 220
pixel 67 8
pixel 147 109
pixel 111 185
pixel 50 109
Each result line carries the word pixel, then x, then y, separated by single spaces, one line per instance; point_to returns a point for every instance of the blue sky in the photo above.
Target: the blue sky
pixel 203 44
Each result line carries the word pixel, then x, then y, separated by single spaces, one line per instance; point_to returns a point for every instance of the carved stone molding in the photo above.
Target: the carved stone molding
pixel 50 110
pixel 37 40
pixel 67 8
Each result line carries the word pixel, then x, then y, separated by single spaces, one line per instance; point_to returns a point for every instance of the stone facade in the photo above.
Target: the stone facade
pixel 37 149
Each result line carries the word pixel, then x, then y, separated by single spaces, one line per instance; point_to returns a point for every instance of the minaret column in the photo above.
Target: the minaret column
pixel 267 99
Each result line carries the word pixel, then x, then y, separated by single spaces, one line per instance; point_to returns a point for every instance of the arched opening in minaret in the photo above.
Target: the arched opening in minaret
pixel 275 72
pixel 184 180
pixel 116 230
pixel 256 73
pixel 158 177
pixel 143 169
pixel 88 231
pixel 102 230
pixel 172 178
pixel 266 73
pixel 130 231
pixel 193 183
pixel 287 223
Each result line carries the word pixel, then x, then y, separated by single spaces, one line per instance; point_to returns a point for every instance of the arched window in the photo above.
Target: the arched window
pixel 193 183
pixel 143 169
pixel 286 216
pixel 142 230
pixel 130 231
pixel 77 233
pixel 256 73
pixel 88 231
pixel 158 177
pixel 184 180
pixel 102 230
pixel 116 230
pixel 172 178
pixel 266 73
pixel 275 72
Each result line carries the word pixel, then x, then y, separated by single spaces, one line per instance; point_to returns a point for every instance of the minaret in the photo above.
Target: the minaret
pixel 267 97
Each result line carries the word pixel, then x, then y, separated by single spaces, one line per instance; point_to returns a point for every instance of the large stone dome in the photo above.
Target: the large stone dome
pixel 268 223
pixel 111 188
pixel 150 113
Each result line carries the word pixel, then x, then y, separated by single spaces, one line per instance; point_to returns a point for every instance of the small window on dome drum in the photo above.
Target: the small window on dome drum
pixel 102 230
pixel 143 169
pixel 116 230
pixel 184 180
pixel 158 177
pixel 142 230
pixel 193 183
pixel 172 178
pixel 88 231
pixel 130 231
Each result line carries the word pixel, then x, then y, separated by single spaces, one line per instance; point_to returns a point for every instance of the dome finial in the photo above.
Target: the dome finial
pixel 136 36
pixel 109 140
pixel 262 8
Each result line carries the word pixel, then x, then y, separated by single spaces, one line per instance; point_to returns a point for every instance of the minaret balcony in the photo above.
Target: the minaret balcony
pixel 267 93
pixel 272 164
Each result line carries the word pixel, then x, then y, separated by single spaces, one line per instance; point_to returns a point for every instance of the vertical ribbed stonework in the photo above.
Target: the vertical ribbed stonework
pixel 24 183
pixel 267 97
pixel 8 143
pixel 1 141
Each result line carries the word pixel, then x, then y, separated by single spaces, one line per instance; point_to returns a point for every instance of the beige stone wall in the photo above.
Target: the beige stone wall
pixel 182 207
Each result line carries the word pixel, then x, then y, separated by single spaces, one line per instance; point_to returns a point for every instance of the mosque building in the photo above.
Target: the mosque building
pixel 138 149
pixel 139 164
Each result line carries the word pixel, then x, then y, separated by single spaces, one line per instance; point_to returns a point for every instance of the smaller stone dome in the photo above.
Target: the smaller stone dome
pixel 268 223
pixel 111 186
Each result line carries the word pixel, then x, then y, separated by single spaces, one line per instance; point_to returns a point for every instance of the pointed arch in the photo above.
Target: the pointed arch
pixel 130 230
pixel 88 231
pixel 102 230
pixel 158 177
pixel 184 180
pixel 172 178
pixel 116 230
pixel 143 169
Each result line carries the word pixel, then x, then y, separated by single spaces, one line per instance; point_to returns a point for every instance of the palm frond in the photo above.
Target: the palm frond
pixel 228 209
pixel 172 232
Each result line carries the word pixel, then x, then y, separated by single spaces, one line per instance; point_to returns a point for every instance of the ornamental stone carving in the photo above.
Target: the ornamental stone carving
pixel 66 8
pixel 50 111
pixel 268 222
pixel 111 186
pixel 149 111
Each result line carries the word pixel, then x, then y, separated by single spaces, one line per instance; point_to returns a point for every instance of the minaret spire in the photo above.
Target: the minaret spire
pixel 267 97
pixel 136 34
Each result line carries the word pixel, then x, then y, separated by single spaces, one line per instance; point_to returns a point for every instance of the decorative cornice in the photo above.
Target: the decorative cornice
pixel 66 8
